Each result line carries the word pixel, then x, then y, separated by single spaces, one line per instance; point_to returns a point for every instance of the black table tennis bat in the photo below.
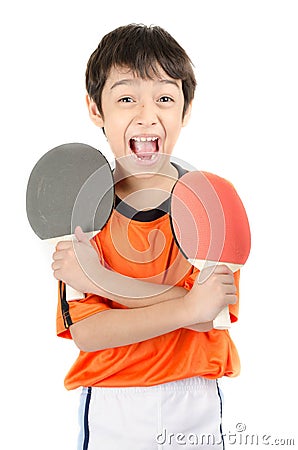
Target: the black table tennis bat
pixel 70 185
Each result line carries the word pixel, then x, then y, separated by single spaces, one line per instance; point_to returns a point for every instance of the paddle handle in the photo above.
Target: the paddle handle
pixel 71 293
pixel 223 320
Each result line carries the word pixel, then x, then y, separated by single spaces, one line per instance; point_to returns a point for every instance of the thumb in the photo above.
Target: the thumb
pixel 81 236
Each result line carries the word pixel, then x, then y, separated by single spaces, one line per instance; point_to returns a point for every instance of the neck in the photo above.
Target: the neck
pixel 145 191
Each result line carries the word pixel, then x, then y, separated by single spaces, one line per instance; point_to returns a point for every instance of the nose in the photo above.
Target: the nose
pixel 147 115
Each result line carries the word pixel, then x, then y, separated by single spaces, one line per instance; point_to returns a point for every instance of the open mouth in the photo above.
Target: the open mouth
pixel 144 148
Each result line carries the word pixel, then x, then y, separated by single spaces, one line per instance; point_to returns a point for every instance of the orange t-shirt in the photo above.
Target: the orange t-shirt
pixel 146 250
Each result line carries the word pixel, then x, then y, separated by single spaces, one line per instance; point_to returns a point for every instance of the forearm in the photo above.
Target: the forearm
pixel 144 293
pixel 119 327
pixel 132 292
pixel 77 265
pixel 144 300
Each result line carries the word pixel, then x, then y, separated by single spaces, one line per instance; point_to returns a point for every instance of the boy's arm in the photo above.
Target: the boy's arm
pixel 118 327
pixel 77 264
pixel 135 293
pixel 129 292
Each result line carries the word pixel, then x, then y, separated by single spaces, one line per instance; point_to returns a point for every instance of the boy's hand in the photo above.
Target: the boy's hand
pixel 76 263
pixel 206 299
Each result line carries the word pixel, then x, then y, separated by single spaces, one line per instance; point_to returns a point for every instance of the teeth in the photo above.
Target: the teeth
pixel 144 139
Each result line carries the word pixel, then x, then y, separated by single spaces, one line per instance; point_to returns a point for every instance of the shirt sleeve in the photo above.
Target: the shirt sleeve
pixel 234 309
pixel 76 310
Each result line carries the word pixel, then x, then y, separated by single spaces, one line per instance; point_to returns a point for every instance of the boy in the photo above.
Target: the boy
pixel 150 358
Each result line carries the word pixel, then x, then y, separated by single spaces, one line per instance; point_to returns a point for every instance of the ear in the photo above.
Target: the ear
pixel 187 115
pixel 94 114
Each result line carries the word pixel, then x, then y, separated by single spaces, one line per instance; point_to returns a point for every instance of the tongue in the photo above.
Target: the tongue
pixel 144 149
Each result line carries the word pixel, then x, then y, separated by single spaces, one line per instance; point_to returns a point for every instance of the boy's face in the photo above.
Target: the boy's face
pixel 142 118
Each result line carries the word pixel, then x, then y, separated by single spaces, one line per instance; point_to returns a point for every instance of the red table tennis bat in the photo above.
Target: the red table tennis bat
pixel 210 225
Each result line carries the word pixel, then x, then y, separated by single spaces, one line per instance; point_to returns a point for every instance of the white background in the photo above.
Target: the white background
pixel 244 127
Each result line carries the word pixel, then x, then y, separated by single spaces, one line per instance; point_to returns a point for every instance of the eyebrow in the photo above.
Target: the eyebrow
pixel 131 81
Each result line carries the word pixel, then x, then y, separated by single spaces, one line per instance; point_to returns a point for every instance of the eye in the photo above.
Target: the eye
pixel 125 100
pixel 165 99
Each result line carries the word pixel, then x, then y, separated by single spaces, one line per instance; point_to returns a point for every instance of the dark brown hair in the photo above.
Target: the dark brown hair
pixel 141 49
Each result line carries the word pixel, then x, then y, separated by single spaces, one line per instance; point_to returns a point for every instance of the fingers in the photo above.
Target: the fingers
pixel 59 264
pixel 232 299
pixel 221 279
pixel 222 269
pixel 221 272
pixel 63 258
pixel 229 287
pixel 56 270
pixel 81 236
pixel 226 278
pixel 217 269
pixel 61 248
pixel 59 255
pixel 64 245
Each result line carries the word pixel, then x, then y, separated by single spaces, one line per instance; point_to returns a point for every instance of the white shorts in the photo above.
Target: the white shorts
pixel 183 414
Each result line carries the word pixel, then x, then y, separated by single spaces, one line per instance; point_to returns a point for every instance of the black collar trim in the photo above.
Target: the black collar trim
pixel 151 214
